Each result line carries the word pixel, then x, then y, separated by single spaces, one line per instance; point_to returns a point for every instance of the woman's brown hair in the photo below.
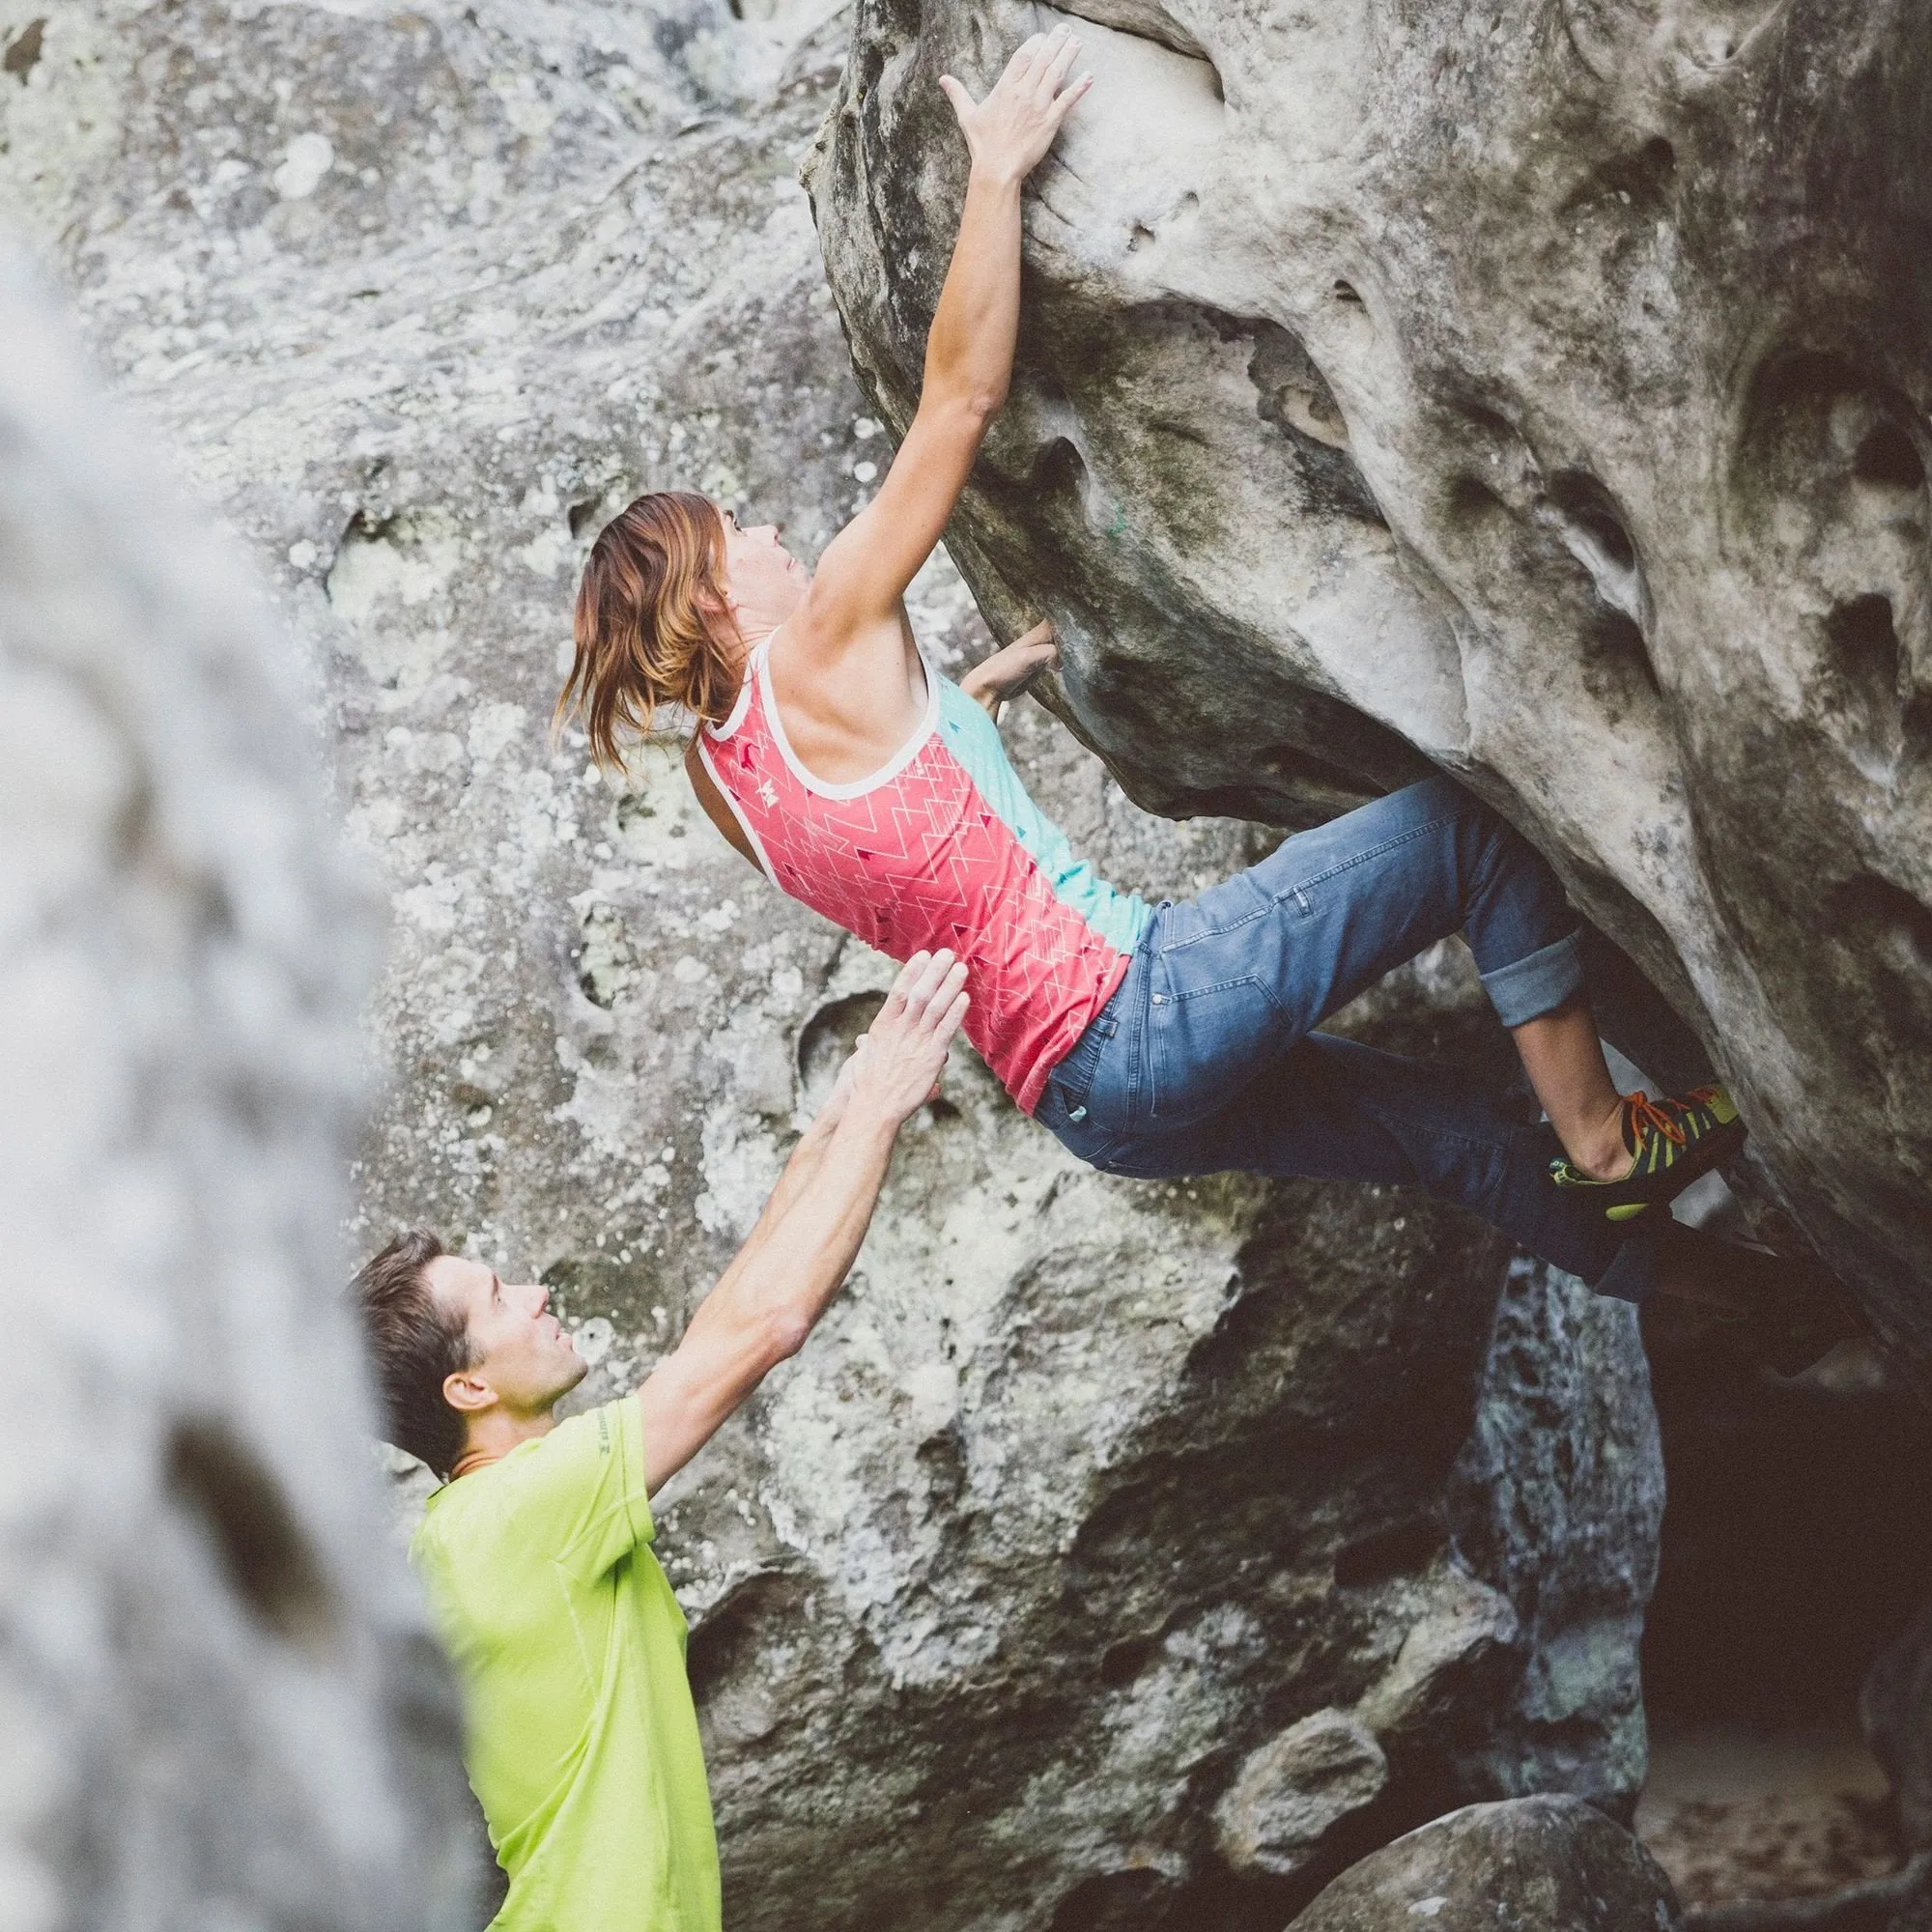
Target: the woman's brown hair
pixel 649 614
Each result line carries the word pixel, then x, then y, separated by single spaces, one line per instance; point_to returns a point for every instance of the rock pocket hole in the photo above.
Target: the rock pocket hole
pixel 1899 922
pixel 827 1039
pixel 1617 640
pixel 1060 471
pixel 1869 683
pixel 241 1510
pixel 1124 1662
pixel 582 515
pixel 1593 519
pixel 1293 393
pixel 1593 532
pixel 1889 457
pixel 1865 642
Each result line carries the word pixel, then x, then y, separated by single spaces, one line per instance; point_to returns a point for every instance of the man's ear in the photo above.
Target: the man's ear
pixel 466 1394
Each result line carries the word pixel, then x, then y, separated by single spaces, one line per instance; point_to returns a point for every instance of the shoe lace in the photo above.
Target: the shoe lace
pixel 1644 1112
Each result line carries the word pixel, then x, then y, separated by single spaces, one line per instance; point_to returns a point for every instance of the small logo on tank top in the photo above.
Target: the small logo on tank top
pixel 769 792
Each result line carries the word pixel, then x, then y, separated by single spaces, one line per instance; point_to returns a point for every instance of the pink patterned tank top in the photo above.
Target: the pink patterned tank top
pixel 940 847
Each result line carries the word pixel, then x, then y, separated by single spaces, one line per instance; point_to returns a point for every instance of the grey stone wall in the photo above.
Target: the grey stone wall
pixel 1089 1493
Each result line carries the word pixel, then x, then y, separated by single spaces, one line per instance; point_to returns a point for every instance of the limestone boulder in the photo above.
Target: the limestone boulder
pixel 1086 1490
pixel 1531 1864
pixel 1536 390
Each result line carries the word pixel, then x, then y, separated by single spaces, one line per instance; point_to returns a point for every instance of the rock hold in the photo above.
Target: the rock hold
pixel 1291 1792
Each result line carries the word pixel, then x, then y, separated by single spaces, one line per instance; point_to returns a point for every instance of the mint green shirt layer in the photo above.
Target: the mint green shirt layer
pixel 582 1741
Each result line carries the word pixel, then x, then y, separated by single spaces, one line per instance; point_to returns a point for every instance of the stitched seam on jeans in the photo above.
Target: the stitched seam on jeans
pixel 1407 838
pixel 1225 985
pixel 1221 932
pixel 1298 892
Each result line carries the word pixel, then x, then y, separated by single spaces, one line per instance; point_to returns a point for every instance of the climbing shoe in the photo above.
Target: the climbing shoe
pixel 1672 1143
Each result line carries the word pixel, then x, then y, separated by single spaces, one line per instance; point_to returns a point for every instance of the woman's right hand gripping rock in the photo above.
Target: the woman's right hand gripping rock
pixel 1008 132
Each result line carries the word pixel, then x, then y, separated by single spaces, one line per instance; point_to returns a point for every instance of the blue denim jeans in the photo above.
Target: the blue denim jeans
pixel 1206 1058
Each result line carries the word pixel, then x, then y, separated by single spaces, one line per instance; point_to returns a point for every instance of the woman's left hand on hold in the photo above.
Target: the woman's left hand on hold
pixel 1007 673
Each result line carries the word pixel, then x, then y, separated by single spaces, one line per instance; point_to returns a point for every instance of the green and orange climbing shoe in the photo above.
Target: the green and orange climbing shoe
pixel 1672 1143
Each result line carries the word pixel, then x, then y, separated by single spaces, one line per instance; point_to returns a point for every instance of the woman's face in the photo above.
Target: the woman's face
pixel 763 582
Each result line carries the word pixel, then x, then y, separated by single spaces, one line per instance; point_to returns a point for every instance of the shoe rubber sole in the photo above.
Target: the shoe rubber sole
pixel 1638 1193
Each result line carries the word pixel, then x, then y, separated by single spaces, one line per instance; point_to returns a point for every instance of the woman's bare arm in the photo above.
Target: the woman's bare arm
pixel 782 1279
pixel 969 355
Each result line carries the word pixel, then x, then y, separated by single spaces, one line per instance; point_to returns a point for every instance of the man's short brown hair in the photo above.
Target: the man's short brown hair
pixel 417 1343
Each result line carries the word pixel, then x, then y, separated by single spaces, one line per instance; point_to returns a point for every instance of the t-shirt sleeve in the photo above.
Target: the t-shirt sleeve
pixel 585 1479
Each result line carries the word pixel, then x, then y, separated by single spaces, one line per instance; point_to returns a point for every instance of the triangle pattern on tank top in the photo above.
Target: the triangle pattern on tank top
pixel 921 861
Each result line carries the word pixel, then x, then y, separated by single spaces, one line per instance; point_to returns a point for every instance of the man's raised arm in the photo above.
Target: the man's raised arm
pixel 797 1258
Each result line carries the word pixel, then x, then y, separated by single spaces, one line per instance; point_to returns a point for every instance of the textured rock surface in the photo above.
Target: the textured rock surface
pixel 1530 1865
pixel 1538 385
pixel 1291 1792
pixel 1558 1496
pixel 215 1707
pixel 1088 1489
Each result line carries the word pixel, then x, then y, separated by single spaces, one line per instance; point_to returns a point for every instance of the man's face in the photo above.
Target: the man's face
pixel 523 1357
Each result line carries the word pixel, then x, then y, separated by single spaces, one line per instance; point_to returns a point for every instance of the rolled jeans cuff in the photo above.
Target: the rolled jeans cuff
pixel 1539 983
pixel 1631 1276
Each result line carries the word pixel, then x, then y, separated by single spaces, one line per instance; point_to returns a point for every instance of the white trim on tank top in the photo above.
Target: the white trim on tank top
pixel 737 811
pixel 738 710
pixel 761 668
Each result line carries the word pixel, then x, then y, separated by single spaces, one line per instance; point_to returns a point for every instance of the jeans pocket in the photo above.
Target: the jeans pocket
pixel 1075 1075
pixel 1208 1044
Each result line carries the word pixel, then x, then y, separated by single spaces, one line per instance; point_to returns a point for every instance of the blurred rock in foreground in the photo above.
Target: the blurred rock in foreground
pixel 219 1707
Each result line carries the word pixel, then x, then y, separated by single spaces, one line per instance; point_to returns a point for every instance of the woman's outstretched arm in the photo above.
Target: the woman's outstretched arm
pixel 969 352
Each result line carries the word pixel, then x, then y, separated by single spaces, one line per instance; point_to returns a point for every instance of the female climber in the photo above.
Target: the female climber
pixel 1152 1040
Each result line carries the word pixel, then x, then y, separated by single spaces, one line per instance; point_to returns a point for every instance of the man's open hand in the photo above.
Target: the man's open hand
pixel 897 1065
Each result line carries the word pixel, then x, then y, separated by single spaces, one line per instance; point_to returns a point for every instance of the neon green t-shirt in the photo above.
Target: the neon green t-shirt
pixel 583 1741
